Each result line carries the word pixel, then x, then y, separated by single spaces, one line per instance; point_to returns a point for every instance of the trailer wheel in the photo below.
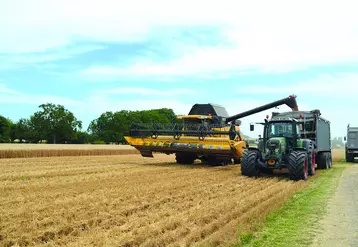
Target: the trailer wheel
pixel 185 159
pixel 312 163
pixel 298 165
pixel 248 164
pixel 323 161
pixel 329 160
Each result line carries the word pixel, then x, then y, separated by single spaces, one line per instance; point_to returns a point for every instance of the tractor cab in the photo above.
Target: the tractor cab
pixel 281 135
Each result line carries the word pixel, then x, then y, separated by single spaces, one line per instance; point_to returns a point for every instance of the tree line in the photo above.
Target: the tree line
pixel 55 124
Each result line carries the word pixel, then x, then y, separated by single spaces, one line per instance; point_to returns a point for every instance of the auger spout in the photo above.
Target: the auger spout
pixel 289 101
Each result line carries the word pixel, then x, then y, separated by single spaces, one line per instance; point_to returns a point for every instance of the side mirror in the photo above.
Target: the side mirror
pixel 345 138
pixel 252 127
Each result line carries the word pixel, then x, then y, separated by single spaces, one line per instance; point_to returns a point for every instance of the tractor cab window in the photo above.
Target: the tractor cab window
pixel 280 129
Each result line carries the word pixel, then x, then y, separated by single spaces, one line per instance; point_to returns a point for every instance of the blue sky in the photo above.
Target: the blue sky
pixel 111 55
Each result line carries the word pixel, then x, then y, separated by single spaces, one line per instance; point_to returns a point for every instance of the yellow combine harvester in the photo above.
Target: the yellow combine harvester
pixel 207 133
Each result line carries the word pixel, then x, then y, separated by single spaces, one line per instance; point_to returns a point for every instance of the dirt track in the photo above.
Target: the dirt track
pixel 340 225
pixel 129 201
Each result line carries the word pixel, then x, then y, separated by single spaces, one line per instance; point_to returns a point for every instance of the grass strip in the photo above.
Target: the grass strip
pixel 297 222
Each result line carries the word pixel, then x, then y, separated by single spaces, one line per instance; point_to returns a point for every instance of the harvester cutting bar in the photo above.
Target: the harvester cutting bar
pixel 178 130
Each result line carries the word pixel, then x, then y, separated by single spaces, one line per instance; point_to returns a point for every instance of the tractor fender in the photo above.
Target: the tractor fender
pixel 299 149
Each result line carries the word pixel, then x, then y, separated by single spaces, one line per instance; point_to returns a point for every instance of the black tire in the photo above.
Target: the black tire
pixel 204 160
pixel 237 161
pixel 298 165
pixel 217 162
pixel 323 161
pixel 329 160
pixel 248 164
pixel 312 164
pixel 185 159
pixel 349 158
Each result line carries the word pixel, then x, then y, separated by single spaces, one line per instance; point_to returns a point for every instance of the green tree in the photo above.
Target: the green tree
pixel 21 130
pixel 112 127
pixel 5 129
pixel 54 124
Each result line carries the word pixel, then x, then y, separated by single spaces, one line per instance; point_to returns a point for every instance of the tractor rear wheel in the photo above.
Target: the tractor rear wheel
pixel 248 164
pixel 185 159
pixel 298 165
pixel 312 163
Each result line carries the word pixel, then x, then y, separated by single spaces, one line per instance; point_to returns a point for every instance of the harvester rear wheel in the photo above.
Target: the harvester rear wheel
pixel 185 159
pixel 248 164
pixel 212 161
pixel 298 165
pixel 237 161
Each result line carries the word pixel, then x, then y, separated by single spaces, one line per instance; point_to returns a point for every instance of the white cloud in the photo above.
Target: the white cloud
pixel 337 85
pixel 16 61
pixel 9 96
pixel 5 90
pixel 146 91
pixel 270 36
pixel 29 28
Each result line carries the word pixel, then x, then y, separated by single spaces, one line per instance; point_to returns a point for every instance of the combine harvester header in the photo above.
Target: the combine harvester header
pixel 207 133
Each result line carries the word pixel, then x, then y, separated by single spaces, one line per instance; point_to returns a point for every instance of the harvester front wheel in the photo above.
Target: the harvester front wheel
pixel 185 159
pixel 298 165
pixel 248 164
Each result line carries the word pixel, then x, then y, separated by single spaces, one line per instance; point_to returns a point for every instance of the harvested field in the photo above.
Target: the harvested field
pixel 130 201
pixel 56 150
pixel 338 154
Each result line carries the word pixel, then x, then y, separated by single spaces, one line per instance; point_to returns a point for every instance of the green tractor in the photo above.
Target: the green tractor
pixel 295 140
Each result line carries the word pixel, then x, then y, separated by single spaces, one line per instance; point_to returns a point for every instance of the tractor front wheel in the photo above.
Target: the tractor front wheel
pixel 298 165
pixel 248 164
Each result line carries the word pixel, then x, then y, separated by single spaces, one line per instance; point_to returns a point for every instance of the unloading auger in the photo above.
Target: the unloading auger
pixel 207 133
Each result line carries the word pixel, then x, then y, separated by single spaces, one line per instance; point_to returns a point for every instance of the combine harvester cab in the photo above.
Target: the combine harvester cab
pixel 207 133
